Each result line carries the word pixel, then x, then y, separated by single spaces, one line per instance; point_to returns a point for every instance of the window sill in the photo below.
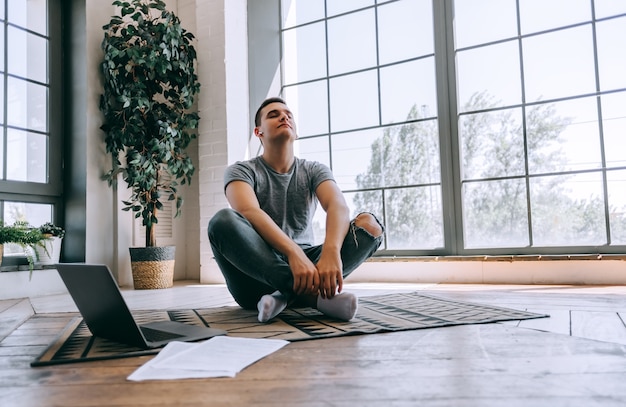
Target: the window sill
pixel 496 258
pixel 24 267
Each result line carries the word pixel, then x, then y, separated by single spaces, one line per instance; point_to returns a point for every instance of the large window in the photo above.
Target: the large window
pixel 30 135
pixel 469 126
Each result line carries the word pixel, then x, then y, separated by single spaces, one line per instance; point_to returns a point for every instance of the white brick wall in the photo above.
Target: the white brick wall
pixel 187 228
pixel 220 28
pixel 222 60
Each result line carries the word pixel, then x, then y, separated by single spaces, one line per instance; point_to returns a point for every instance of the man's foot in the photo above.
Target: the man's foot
pixel 271 305
pixel 342 306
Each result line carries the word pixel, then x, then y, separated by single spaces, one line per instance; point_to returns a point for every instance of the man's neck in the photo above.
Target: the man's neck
pixel 280 161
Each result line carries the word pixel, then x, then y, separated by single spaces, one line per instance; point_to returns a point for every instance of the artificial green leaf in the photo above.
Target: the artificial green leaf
pixel 149 85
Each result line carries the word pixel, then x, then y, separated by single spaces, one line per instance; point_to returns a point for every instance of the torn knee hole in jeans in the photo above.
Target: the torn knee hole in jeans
pixel 354 227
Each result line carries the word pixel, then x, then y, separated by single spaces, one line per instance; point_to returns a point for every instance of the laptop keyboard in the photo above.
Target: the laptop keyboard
pixel 154 335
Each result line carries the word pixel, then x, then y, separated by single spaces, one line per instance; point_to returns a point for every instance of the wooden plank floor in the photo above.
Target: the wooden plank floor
pixel 577 357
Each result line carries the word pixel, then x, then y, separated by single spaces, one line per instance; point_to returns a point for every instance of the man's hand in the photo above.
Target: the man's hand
pixel 329 268
pixel 306 279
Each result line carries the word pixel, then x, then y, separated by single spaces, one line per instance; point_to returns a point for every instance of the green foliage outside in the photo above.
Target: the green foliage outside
pixel 406 155
pixel 149 84
pixel 495 211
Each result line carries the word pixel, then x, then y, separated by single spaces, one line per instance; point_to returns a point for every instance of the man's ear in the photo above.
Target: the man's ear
pixel 259 134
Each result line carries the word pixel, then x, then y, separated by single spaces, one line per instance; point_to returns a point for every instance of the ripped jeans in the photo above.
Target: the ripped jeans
pixel 252 268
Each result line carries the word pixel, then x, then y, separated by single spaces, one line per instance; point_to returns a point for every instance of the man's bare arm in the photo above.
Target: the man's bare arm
pixel 329 266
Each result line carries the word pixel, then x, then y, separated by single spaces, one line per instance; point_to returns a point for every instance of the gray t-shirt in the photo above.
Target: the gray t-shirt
pixel 289 199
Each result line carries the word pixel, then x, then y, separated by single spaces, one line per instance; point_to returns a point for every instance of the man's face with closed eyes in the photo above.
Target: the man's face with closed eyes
pixel 276 121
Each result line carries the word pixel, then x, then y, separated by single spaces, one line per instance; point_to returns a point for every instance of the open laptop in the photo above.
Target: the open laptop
pixel 105 312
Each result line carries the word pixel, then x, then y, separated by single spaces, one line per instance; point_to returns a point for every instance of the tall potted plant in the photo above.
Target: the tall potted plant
pixel 149 85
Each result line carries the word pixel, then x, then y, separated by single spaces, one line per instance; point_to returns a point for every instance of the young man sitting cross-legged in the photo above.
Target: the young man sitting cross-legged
pixel 264 244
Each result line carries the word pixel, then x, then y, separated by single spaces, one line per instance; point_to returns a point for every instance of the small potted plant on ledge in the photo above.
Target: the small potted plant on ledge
pixel 25 236
pixel 51 252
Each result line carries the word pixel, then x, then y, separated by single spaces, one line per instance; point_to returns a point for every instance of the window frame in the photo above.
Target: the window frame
pixel 51 191
pixel 448 115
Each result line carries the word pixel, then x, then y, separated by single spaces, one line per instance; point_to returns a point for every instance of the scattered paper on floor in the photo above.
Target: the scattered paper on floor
pixel 220 356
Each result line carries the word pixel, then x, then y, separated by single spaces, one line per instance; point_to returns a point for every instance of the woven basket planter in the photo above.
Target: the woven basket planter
pixel 152 267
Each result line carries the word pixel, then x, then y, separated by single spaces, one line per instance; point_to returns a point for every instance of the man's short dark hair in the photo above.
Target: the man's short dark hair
pixel 257 116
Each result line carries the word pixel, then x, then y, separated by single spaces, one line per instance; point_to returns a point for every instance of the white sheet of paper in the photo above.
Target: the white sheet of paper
pixel 148 371
pixel 220 356
pixel 222 353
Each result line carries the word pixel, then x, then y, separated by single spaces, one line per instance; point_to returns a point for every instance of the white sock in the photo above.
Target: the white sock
pixel 342 306
pixel 271 305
